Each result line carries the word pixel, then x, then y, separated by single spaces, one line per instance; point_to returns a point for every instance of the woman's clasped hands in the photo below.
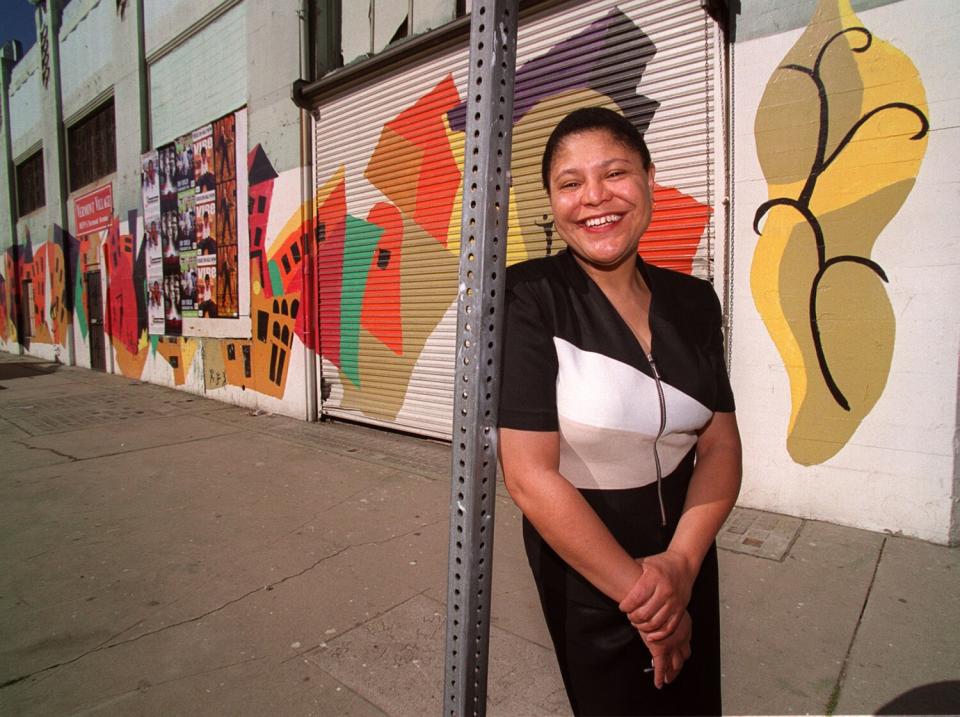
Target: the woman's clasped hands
pixel 657 607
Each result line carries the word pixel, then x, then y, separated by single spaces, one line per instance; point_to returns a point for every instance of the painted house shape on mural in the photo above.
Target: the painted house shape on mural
pixel 261 178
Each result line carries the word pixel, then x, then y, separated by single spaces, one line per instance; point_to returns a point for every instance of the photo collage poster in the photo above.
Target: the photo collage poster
pixel 190 227
pixel 186 208
pixel 152 241
pixel 170 238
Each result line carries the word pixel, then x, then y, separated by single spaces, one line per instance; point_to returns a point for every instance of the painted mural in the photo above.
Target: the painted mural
pixel 386 274
pixel 376 311
pixel 841 132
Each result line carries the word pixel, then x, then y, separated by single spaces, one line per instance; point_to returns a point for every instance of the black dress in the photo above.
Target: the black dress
pixel 571 364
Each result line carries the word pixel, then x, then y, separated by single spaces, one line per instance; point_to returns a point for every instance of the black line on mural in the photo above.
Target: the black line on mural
pixel 820 164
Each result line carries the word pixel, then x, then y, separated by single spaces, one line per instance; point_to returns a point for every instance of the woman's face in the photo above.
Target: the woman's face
pixel 601 197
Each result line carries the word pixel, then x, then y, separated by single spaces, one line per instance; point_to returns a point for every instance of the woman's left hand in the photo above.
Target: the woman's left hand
pixel 657 601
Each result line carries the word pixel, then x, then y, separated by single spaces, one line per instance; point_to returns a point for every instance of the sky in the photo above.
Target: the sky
pixel 17 23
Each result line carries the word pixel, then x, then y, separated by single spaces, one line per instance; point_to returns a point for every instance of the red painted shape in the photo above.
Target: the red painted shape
pixel 4 312
pixel 381 314
pixel 332 220
pixel 121 293
pixel 260 193
pixel 423 125
pixel 675 230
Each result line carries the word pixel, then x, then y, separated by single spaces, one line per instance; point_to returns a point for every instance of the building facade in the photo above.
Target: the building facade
pixel 260 203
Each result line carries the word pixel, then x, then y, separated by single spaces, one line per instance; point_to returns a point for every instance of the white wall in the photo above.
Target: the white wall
pixel 25 103
pixel 86 52
pixel 898 470
pixel 201 80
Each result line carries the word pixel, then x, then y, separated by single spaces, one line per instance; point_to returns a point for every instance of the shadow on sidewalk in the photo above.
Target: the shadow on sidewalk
pixel 936 698
pixel 25 369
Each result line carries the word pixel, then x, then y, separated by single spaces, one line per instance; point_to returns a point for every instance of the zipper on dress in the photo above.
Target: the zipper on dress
pixel 663 425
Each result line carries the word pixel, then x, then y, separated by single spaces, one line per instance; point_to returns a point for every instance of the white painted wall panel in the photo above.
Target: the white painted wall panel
pixel 86 52
pixel 165 20
pixel 898 472
pixel 201 80
pixel 26 100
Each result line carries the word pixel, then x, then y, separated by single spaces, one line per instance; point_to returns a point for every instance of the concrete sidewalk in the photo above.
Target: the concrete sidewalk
pixel 163 554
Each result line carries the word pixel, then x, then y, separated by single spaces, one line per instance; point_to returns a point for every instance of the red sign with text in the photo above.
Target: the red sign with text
pixel 94 210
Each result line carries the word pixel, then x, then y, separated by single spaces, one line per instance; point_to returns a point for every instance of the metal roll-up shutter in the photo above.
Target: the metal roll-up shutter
pixel 389 159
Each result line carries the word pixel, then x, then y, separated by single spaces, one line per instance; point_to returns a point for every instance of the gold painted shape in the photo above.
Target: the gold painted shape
pixel 833 189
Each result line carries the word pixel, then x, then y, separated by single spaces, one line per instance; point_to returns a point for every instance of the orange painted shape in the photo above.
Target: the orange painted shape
pixel 413 164
pixel 675 229
pixel 381 313
pixel 394 168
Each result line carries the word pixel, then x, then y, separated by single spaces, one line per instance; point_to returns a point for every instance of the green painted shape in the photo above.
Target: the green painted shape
pixel 360 241
pixel 78 304
pixel 276 283
pixel 154 342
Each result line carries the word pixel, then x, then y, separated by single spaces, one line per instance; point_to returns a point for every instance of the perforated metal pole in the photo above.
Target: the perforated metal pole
pixel 483 245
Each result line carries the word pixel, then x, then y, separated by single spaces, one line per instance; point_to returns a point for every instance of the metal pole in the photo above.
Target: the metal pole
pixel 483 244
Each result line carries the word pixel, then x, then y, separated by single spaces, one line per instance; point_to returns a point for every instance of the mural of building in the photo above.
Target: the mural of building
pixel 169 214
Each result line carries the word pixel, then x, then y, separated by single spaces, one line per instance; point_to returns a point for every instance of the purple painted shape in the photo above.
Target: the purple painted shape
pixel 601 58
pixel 70 246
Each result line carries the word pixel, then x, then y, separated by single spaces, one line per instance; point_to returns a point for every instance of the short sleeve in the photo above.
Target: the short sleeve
pixel 723 396
pixel 528 369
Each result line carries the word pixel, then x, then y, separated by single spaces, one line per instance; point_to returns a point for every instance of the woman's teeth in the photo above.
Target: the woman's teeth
pixel 600 221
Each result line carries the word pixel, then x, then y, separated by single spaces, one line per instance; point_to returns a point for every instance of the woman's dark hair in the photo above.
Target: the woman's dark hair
pixel 586 119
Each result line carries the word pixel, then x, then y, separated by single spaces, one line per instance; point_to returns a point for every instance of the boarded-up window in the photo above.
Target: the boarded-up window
pixel 92 147
pixel 30 193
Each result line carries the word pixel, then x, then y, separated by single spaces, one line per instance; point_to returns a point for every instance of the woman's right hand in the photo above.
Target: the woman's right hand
pixel 669 653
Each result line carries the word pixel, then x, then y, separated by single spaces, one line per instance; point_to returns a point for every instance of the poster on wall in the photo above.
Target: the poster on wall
pixel 188 284
pixel 173 323
pixel 150 183
pixel 206 213
pixel 186 220
pixel 155 242
pixel 203 159
pixel 206 286
pixel 166 175
pixel 227 282
pixel 184 170
pixel 226 218
pixel 225 148
pixel 156 317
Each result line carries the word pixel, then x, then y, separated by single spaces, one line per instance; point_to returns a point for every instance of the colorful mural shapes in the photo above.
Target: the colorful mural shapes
pixel 11 294
pixel 841 132
pixel 331 234
pixel 413 164
pixel 178 352
pixel 126 299
pixel 5 323
pixel 579 68
pixel 261 176
pixel 380 314
pixel 385 310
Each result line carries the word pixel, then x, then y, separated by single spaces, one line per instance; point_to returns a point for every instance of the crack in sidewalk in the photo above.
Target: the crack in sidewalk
pixel 103 646
pixel 842 676
pixel 340 635
pixel 72 459
pixel 268 587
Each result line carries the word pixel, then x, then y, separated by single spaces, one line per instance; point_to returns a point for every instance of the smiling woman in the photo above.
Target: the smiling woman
pixel 617 436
